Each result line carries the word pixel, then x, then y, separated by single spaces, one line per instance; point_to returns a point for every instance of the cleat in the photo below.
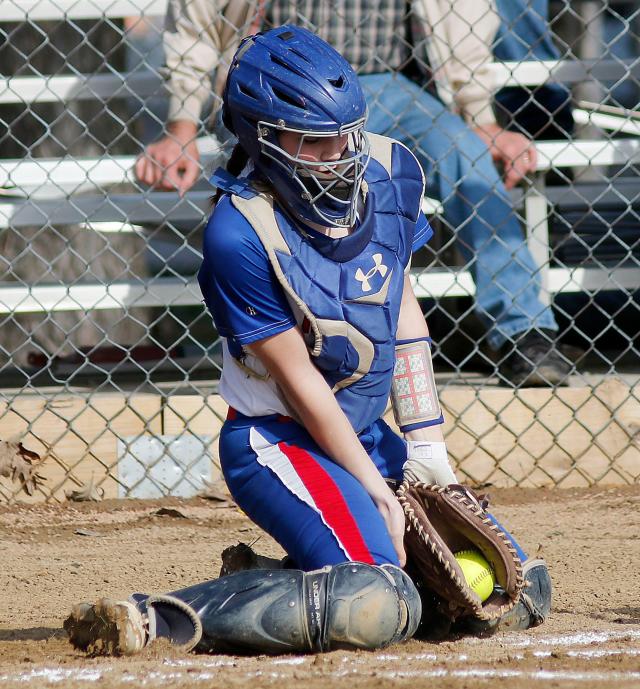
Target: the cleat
pixel 242 557
pixel 106 628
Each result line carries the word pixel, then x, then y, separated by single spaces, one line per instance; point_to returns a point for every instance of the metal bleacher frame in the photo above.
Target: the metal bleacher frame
pixel 73 190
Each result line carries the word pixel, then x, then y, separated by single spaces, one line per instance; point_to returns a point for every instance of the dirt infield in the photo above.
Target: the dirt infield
pixel 54 556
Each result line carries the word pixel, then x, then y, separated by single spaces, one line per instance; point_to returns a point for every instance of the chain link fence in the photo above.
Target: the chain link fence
pixel 109 361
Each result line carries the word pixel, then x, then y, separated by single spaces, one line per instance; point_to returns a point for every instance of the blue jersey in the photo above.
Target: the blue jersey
pixel 260 278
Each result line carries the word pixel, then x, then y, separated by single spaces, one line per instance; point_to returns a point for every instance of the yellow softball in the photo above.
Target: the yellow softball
pixel 477 572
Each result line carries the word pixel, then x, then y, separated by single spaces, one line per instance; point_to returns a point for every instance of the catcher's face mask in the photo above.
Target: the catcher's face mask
pixel 325 169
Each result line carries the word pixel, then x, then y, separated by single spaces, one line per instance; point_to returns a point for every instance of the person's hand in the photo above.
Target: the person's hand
pixel 393 516
pixel 428 462
pixel 516 153
pixel 173 162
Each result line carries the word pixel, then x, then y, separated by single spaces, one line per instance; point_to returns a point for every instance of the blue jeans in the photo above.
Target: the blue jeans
pixel 524 34
pixel 461 175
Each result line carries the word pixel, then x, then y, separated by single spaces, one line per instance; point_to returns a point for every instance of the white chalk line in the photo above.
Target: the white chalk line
pixel 579 639
pixel 595 653
pixel 58 675
pixel 209 665
pixel 54 674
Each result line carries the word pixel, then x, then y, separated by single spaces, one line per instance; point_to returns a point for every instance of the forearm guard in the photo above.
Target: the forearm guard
pixel 414 396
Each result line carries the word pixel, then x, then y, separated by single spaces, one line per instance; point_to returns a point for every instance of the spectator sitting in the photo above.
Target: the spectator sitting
pixel 542 112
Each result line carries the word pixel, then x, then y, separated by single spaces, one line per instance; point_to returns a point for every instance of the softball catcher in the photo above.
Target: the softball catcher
pixel 305 272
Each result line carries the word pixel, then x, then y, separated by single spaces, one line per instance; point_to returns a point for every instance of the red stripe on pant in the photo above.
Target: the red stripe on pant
pixel 329 501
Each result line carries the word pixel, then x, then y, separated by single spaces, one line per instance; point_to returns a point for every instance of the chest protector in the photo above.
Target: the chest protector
pixel 346 293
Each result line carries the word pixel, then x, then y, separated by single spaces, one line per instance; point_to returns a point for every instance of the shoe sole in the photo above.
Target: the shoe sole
pixel 241 557
pixel 542 376
pixel 106 628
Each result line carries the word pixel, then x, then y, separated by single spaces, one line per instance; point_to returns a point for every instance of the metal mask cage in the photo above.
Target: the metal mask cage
pixel 329 187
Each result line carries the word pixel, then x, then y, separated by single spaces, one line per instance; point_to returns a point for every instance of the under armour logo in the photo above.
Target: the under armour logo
pixel 251 311
pixel 379 267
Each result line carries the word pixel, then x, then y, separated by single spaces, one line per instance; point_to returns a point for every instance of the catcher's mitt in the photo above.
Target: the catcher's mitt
pixel 443 521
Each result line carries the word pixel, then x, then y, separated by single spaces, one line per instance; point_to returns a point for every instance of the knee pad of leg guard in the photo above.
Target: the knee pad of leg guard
pixel 367 606
pixel 409 598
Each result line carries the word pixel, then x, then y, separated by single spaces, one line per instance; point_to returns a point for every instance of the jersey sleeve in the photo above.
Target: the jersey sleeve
pixel 422 233
pixel 237 281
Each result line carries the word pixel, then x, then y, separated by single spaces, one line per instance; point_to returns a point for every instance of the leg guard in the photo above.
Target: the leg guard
pixel 351 605
pixel 410 601
pixel 171 618
pixel 535 600
pixel 531 610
